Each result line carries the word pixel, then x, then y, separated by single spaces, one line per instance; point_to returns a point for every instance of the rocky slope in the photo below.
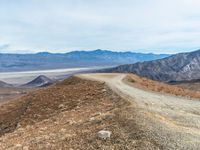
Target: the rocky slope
pixel 183 66
pixel 69 115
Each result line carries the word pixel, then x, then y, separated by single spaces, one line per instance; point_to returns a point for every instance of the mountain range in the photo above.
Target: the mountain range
pixel 45 60
pixel 175 68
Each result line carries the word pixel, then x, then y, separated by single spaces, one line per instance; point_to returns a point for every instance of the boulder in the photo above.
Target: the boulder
pixel 104 134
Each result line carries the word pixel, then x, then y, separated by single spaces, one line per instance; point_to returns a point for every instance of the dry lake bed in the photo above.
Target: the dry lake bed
pixel 18 78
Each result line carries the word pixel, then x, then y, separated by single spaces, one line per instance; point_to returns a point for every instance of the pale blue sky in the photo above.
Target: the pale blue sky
pixel 159 26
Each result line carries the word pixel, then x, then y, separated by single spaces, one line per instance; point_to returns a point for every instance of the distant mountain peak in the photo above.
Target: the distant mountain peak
pixel 40 81
pixel 5 85
pixel 43 53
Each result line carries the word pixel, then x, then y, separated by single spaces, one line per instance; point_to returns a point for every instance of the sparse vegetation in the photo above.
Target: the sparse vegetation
pixel 156 86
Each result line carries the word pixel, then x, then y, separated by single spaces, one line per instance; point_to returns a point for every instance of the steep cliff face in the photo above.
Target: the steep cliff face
pixel 183 66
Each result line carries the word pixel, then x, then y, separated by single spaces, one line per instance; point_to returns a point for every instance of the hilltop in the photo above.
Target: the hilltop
pixel 69 114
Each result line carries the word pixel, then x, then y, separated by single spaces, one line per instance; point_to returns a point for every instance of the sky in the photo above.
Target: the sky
pixel 158 26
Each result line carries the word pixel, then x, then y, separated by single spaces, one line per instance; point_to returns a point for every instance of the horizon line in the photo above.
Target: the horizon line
pixel 116 51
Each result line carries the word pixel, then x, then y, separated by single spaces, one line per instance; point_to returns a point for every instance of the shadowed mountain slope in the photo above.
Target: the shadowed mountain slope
pixel 40 81
pixel 179 67
pixel 5 85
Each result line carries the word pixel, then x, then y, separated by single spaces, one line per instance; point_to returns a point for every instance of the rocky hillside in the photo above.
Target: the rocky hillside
pixel 183 66
pixel 71 115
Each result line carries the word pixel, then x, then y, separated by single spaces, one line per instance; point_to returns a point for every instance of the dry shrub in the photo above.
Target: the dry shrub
pixel 156 86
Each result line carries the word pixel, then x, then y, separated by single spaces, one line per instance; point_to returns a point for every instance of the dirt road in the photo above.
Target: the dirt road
pixel 173 122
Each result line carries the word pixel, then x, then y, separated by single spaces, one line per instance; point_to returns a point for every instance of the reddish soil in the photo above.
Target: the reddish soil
pixel 156 86
pixel 9 94
pixel 69 115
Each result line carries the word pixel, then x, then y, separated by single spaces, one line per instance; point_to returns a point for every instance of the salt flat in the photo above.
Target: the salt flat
pixel 26 76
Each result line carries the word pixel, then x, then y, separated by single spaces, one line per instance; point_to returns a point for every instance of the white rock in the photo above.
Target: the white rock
pixel 61 106
pixel 104 90
pixel 18 145
pixel 92 119
pixel 104 134
pixel 25 148
pixel 63 130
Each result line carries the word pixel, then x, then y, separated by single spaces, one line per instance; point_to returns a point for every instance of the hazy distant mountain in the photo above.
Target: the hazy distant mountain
pixel 40 81
pixel 179 67
pixel 5 85
pixel 45 60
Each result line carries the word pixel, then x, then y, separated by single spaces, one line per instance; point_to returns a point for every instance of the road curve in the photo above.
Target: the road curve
pixel 173 121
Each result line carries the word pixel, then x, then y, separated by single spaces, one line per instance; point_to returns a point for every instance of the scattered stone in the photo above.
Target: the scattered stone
pixel 92 119
pixel 18 125
pixel 104 90
pixel 104 134
pixel 71 122
pixel 77 107
pixel 61 106
pixel 63 130
pixel 18 145
pixel 46 137
pixel 43 129
pixel 21 129
pixel 25 148
pixel 99 113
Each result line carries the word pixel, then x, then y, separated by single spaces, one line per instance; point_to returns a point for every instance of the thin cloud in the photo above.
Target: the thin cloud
pixel 64 25
pixel 4 47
